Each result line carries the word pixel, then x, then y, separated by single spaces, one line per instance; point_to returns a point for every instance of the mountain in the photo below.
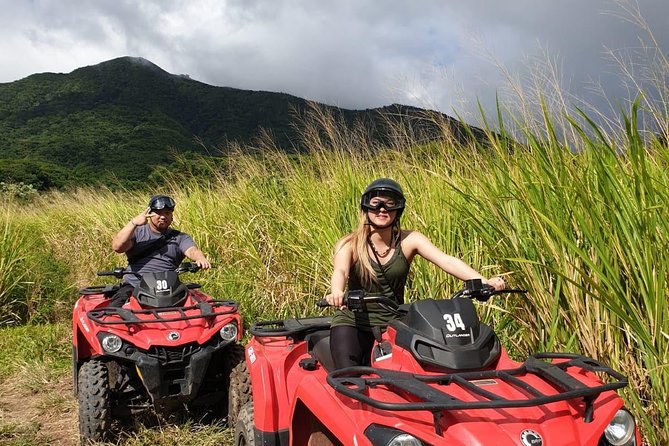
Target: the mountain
pixel 115 122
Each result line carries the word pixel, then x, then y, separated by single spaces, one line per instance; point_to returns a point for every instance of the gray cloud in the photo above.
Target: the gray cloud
pixel 348 53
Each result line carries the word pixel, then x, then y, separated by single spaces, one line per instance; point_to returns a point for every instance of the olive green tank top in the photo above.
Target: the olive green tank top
pixel 391 284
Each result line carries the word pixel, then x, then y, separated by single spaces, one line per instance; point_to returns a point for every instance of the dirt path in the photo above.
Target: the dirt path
pixel 44 417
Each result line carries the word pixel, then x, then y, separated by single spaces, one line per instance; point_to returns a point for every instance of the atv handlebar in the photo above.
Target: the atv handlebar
pixel 119 272
pixel 188 267
pixel 476 289
pixel 356 300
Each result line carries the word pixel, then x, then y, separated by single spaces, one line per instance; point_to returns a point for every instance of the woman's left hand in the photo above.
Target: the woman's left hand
pixel 497 283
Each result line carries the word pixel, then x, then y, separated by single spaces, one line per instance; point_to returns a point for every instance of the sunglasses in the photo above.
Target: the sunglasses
pixel 162 203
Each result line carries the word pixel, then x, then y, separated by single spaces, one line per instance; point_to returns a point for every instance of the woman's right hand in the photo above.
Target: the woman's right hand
pixel 336 298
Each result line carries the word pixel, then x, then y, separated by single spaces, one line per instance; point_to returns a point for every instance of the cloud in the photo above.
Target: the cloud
pixel 346 52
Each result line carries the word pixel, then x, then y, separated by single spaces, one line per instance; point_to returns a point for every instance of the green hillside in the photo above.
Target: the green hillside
pixel 113 123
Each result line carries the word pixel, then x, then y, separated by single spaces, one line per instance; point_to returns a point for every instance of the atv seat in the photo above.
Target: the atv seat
pixel 318 345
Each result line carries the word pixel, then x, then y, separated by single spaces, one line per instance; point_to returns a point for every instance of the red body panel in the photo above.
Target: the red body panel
pixel 146 335
pixel 280 385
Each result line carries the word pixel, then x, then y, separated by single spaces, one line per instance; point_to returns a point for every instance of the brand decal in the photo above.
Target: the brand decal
pixel 252 355
pixel 457 335
pixel 173 336
pixel 531 438
pixel 83 324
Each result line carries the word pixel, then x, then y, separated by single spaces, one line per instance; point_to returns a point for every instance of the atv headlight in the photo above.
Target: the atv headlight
pixel 620 430
pixel 112 343
pixel 229 332
pixel 387 436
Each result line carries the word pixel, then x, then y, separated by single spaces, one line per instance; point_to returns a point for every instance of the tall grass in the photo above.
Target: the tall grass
pixel 32 285
pixel 585 232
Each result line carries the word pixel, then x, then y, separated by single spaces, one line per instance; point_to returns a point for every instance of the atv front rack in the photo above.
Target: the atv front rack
pixel 207 309
pixel 354 382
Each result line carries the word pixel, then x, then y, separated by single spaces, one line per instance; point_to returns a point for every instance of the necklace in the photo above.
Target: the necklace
pixel 381 254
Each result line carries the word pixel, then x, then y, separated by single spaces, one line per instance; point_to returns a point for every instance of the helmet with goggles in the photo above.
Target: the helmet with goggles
pixel 383 187
pixel 160 202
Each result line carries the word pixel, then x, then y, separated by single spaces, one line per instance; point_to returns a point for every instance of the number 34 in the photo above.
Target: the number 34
pixel 454 321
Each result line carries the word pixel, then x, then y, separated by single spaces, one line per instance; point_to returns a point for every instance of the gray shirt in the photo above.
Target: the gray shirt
pixel 166 258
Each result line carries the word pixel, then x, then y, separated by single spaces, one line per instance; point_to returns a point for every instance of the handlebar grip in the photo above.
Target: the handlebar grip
pixel 105 273
pixel 322 303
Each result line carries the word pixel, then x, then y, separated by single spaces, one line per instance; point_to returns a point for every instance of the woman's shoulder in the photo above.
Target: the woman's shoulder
pixel 412 240
pixel 344 242
pixel 410 234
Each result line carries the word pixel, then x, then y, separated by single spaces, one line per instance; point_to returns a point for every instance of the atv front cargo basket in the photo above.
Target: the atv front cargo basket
pixel 355 383
pixel 117 315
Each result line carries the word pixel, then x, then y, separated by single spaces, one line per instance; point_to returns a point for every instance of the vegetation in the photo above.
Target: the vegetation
pixel 116 122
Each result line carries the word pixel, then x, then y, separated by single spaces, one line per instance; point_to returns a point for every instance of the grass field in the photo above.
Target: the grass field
pixel 585 231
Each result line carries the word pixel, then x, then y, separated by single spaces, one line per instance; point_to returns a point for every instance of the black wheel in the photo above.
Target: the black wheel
pixel 94 401
pixel 244 433
pixel 240 385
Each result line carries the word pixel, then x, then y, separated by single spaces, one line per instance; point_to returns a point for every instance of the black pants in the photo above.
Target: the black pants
pixel 122 295
pixel 350 346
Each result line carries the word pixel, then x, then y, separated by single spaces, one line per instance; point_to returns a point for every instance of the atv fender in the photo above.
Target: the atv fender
pixel 315 400
pixel 264 392
pixel 83 348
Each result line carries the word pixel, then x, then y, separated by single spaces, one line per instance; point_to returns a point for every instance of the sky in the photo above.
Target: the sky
pixel 439 54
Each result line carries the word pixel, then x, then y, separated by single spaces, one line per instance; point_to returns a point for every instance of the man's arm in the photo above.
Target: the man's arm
pixel 122 241
pixel 198 257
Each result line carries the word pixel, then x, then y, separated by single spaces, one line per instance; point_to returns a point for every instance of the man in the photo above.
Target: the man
pixel 152 246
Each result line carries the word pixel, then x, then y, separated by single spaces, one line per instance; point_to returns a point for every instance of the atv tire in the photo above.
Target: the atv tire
pixel 240 385
pixel 244 429
pixel 94 399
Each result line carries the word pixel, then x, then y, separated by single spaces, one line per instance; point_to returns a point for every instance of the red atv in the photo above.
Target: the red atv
pixel 438 376
pixel 169 347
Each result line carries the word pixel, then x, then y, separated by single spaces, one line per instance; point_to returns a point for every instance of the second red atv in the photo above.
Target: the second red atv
pixel 438 376
pixel 168 348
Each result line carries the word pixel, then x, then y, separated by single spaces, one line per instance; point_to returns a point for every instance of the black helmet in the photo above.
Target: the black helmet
pixel 387 188
pixel 158 202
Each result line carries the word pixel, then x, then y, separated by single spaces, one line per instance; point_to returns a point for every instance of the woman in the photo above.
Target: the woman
pixel 376 258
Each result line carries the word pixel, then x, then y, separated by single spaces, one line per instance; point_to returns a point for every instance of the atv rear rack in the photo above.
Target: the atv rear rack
pixel 129 317
pixel 354 382
pixel 296 329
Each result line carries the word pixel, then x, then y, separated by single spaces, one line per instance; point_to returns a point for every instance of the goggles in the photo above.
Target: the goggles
pixel 377 203
pixel 159 203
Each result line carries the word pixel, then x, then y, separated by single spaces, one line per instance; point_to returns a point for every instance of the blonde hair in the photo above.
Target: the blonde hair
pixel 358 241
